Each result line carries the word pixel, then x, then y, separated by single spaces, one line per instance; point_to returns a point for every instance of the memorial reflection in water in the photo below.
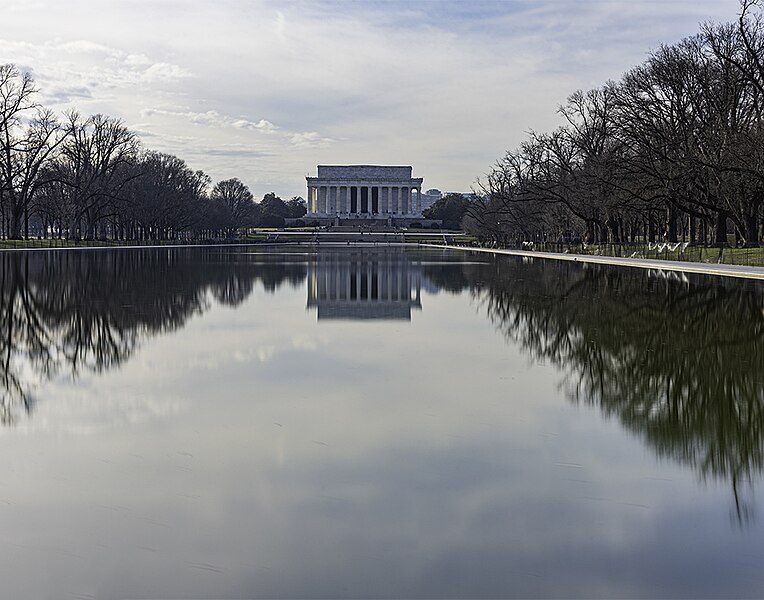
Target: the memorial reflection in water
pixel 364 283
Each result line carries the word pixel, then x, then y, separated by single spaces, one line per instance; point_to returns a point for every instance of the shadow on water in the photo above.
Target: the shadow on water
pixel 87 311
pixel 678 360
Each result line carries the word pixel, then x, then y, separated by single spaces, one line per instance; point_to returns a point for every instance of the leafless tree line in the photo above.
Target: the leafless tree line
pixel 673 151
pixel 90 178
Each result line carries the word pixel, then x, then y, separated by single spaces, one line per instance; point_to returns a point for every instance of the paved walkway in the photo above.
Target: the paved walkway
pixel 639 263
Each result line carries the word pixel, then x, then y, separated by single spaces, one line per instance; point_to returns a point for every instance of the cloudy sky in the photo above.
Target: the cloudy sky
pixel 266 90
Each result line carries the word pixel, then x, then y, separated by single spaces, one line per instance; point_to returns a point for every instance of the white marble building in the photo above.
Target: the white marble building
pixel 364 191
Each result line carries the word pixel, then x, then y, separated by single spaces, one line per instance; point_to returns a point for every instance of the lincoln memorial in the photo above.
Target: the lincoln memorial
pixel 364 192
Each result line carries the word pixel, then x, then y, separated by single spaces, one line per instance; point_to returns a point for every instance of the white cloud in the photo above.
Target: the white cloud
pixel 280 26
pixel 310 139
pixel 210 118
pixel 164 71
pixel 137 59
pixel 261 125
pixel 84 47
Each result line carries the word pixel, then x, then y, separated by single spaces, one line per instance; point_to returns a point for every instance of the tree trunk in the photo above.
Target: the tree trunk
pixel 14 225
pixel 611 231
pixel 752 231
pixel 721 229
pixel 671 224
pixel 693 230
pixel 90 228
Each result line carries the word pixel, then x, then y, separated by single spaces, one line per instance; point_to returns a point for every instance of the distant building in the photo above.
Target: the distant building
pixel 364 191
pixel 430 197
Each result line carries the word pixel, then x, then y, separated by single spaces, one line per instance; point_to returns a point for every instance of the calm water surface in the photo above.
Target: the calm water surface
pixel 237 423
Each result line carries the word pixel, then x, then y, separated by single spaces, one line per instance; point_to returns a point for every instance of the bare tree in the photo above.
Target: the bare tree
pixel 96 163
pixel 237 200
pixel 29 137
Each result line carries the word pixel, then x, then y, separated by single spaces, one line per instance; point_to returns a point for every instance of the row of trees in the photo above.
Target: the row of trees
pixel 90 177
pixel 673 151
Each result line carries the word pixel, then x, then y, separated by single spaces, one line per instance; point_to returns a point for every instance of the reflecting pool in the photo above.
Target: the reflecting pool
pixel 376 422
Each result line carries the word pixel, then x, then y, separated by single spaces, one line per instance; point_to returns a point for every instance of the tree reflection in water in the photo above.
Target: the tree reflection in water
pixel 87 311
pixel 678 361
